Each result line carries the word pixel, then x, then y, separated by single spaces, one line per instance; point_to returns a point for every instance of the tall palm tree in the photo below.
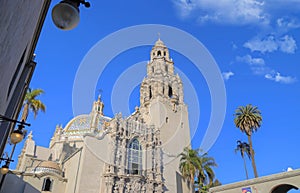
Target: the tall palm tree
pixel 244 149
pixel 189 164
pixel 32 103
pixel 248 119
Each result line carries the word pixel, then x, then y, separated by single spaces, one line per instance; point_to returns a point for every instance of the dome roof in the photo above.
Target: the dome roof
pixel 79 123
pixel 50 164
pixel 48 167
pixel 159 43
pixel 82 124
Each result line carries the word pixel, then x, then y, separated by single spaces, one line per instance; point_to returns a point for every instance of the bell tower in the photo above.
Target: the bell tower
pixel 161 80
pixel 162 106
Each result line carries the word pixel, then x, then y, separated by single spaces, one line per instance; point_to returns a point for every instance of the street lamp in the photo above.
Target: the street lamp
pixel 15 137
pixel 65 14
pixel 4 169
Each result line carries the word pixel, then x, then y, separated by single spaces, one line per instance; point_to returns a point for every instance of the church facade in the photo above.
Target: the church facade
pixel 94 153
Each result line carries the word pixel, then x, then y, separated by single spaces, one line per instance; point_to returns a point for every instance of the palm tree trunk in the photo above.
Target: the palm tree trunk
pixel 25 112
pixel 252 156
pixel 245 168
pixel 192 182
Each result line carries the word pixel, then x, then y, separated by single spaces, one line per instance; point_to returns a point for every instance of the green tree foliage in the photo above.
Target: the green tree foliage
pixel 248 119
pixel 194 165
pixel 31 103
pixel 244 149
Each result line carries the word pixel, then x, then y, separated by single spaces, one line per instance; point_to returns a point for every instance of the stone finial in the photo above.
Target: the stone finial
pixel 30 135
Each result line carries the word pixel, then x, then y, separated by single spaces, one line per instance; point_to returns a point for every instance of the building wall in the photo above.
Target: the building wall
pixel 173 124
pixel 71 170
pixel 37 183
pixel 14 184
pixel 20 23
pixel 265 184
pixel 91 171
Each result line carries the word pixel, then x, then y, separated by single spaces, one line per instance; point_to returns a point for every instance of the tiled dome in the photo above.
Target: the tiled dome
pixel 48 167
pixel 50 164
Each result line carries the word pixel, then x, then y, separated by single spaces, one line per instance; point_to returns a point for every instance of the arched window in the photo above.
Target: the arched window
pixel 170 92
pixel 150 92
pixel 152 69
pixel 134 157
pixel 47 185
pixel 159 53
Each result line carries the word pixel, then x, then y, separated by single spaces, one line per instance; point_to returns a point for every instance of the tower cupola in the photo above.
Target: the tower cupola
pixel 98 106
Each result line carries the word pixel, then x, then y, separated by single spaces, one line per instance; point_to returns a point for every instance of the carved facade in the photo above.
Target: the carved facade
pixel 138 154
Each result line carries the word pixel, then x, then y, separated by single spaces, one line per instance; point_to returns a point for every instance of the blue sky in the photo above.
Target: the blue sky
pixel 255 44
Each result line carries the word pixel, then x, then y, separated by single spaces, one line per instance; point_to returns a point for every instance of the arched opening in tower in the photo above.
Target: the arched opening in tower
pixel 159 53
pixel 170 92
pixel 150 92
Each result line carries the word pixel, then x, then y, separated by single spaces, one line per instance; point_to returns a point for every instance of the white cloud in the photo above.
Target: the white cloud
pixel 287 23
pixel 238 12
pixel 281 79
pixel 250 60
pixel 257 65
pixel 227 75
pixel 268 44
pixel 185 7
pixel 286 44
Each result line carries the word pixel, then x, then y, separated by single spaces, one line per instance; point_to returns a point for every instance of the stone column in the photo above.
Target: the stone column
pixel 121 185
pixel 150 187
pixel 123 156
pixel 109 184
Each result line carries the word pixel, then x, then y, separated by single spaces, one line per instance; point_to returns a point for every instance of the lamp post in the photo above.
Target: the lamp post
pixel 15 137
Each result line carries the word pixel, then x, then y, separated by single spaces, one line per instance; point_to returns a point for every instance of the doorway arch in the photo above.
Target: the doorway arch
pixel 283 188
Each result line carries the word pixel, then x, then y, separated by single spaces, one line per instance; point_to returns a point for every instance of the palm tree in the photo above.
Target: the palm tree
pixel 206 174
pixel 205 189
pixel 193 164
pixel 189 164
pixel 215 183
pixel 244 149
pixel 32 103
pixel 248 119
